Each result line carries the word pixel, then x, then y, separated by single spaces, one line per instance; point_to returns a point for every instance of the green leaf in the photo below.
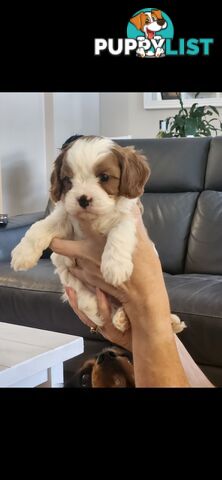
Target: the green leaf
pixel 214 110
pixel 183 110
pixel 162 134
pixel 199 111
pixel 168 121
pixel 192 109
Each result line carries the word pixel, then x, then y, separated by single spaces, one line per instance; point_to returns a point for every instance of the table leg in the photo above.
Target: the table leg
pixel 55 377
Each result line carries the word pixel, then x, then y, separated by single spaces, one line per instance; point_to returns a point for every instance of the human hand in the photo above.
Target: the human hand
pixel 145 290
pixel 108 330
pixel 145 301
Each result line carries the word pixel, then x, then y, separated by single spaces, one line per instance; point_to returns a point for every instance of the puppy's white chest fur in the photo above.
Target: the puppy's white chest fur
pixel 120 230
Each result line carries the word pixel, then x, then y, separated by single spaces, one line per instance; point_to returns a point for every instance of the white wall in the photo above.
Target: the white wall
pixel 75 113
pixel 22 152
pixel 114 114
pixel 124 114
pixel 33 127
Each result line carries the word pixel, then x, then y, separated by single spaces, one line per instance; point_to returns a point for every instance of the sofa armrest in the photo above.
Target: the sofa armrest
pixel 12 233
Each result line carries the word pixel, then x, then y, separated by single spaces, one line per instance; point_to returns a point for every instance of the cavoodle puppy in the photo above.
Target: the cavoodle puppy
pixel 100 181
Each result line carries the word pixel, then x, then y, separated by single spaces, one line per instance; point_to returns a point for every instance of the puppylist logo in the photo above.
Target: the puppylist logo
pixel 149 35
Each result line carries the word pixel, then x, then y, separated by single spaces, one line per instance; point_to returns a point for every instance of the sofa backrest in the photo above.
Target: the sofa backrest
pixel 183 202
pixel 204 253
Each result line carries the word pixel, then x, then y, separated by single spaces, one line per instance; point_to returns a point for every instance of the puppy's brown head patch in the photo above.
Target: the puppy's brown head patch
pixel 134 171
pixel 157 14
pixel 60 177
pixel 108 173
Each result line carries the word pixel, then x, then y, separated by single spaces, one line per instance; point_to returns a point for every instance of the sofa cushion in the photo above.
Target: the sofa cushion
pixel 33 298
pixel 213 179
pixel 197 299
pixel 177 164
pixel 204 253
pixel 168 217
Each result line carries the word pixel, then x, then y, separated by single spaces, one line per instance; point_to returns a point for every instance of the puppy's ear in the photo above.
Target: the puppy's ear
pixel 134 172
pixel 136 21
pixel 56 182
pixel 157 13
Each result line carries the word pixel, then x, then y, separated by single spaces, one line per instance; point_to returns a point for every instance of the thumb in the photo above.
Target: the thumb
pixel 71 248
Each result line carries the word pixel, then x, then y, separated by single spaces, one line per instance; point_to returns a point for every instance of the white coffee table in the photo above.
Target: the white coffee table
pixel 30 357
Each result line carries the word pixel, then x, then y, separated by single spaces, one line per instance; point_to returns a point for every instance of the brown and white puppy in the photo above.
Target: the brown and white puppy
pixel 94 178
pixel 149 23
pixel 111 368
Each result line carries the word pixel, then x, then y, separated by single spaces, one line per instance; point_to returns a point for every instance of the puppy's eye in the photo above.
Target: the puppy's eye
pixel 67 184
pixel 154 18
pixel 103 177
pixel 67 180
pixel 85 380
pixel 147 20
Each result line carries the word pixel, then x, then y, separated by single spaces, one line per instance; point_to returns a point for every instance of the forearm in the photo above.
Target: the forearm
pixel 160 359
pixel 156 358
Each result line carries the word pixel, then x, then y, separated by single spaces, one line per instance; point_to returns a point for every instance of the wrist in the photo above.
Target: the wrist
pixel 151 314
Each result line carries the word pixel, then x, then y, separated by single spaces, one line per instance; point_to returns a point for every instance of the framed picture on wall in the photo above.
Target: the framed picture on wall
pixel 160 100
pixel 169 95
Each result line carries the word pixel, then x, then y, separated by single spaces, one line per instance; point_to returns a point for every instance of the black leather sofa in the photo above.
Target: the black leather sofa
pixel 183 214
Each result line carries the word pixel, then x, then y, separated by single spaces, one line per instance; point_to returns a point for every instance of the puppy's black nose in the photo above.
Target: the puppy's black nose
pixel 84 201
pixel 109 355
pixel 160 22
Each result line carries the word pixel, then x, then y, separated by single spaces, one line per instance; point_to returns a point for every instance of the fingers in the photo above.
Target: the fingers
pixel 73 303
pixel 95 280
pixel 88 265
pixel 69 248
pixel 88 249
pixel 103 305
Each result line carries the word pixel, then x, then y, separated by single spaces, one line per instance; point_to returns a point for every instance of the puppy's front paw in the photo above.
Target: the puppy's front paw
pixel 159 52
pixel 24 257
pixel 116 272
pixel 120 320
pixel 176 323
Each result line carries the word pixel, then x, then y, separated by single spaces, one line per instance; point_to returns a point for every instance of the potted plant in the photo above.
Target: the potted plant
pixel 193 123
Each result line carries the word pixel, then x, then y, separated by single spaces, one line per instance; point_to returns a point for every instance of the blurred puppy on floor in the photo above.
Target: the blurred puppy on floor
pixel 111 368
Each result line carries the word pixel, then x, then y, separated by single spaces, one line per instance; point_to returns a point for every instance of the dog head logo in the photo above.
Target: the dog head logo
pixel 150 27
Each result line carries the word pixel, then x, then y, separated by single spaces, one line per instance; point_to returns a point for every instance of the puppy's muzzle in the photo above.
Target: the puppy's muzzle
pixel 106 356
pixel 84 201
